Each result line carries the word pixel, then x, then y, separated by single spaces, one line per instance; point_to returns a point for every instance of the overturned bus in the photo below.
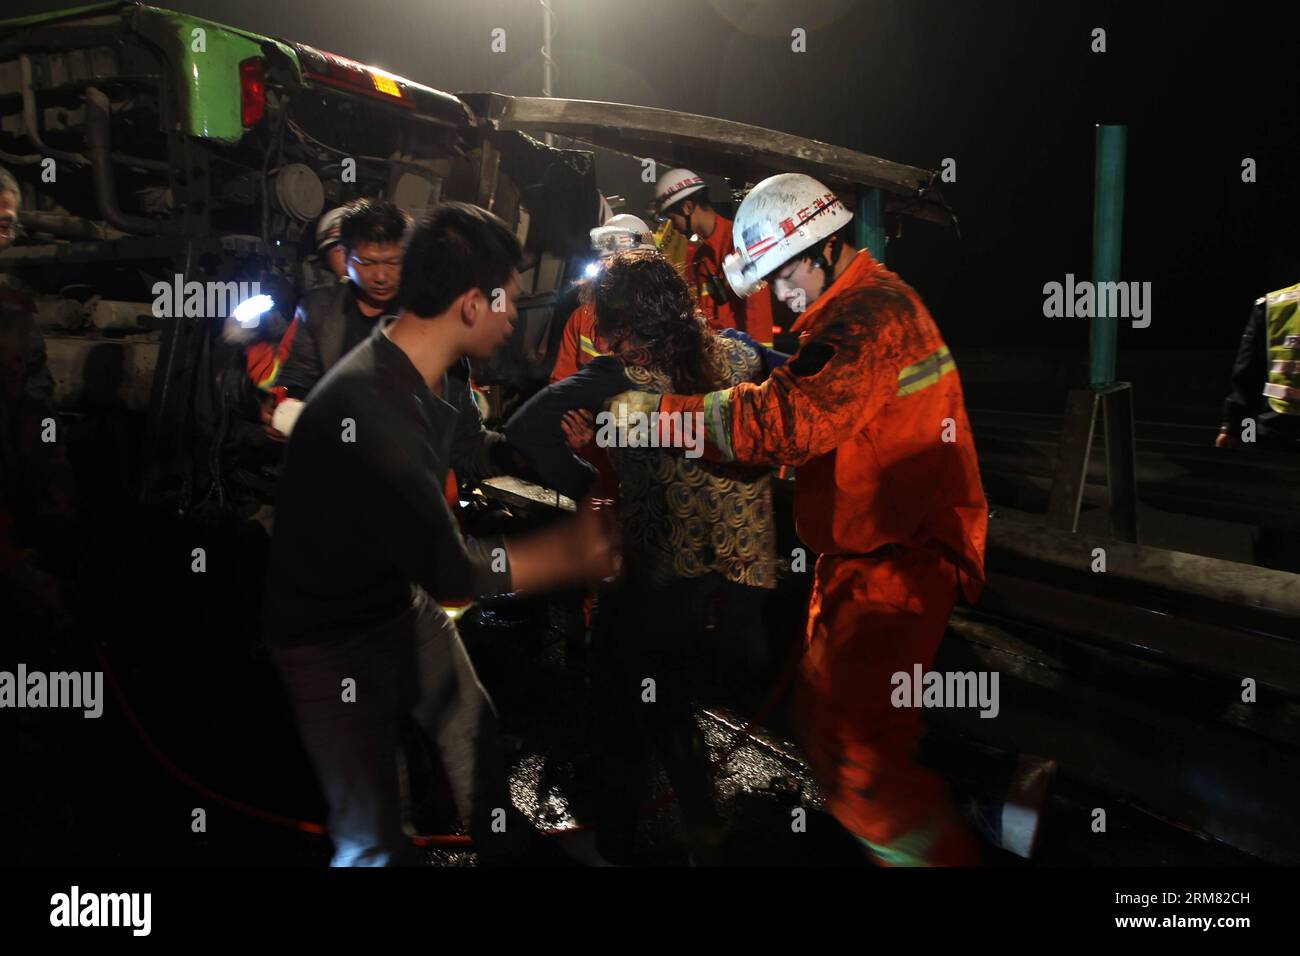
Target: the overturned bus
pixel 159 151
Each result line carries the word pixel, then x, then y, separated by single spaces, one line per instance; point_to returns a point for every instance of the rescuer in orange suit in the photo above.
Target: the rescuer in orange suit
pixel 888 492
pixel 683 199
pixel 580 344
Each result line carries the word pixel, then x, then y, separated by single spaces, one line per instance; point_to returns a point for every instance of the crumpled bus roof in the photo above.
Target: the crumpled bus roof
pixel 707 144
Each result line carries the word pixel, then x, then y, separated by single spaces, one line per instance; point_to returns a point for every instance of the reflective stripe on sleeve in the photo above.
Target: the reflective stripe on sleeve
pixel 717 422
pixel 926 372
pixel 1282 392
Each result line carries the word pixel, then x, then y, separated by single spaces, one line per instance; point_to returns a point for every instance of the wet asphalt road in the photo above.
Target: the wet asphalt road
pixel 208 700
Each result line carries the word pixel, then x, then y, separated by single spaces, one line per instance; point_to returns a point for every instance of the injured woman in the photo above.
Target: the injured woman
pixel 699 542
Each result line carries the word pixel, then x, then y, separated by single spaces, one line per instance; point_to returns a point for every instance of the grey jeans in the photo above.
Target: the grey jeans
pixel 418 666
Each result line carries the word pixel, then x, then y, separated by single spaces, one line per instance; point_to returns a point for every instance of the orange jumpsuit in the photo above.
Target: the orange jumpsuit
pixel 581 343
pixel 888 491
pixel 753 316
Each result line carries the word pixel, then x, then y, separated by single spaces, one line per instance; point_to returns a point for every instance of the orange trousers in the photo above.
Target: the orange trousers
pixel 870 617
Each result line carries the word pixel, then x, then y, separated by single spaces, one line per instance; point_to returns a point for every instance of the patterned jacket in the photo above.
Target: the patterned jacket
pixel 683 517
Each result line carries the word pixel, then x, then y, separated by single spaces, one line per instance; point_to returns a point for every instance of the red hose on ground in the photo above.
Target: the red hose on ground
pixel 239 807
pixel 423 840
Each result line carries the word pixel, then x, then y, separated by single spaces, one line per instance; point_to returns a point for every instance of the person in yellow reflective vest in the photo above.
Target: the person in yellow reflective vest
pixel 1263 406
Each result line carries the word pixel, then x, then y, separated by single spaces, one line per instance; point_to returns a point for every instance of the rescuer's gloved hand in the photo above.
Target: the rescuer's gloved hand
pixel 286 414
pixel 267 414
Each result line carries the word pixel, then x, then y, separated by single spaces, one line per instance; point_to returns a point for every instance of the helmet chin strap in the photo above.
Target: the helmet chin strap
pixel 826 259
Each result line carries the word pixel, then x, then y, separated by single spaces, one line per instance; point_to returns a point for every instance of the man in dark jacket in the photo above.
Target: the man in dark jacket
pixel 333 320
pixel 1273 428
pixel 365 545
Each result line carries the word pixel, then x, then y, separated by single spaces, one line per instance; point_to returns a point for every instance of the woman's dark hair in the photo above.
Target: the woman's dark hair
pixel 639 296
pixel 457 247
pixel 372 220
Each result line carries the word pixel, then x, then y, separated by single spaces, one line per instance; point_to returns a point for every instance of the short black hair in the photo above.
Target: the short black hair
pixel 372 220
pixel 455 248
pixel 9 185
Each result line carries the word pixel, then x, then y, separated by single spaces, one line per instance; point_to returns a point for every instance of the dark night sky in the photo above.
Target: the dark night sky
pixel 1010 90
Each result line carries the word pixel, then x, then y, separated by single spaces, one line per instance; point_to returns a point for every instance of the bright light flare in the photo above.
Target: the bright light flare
pixel 249 312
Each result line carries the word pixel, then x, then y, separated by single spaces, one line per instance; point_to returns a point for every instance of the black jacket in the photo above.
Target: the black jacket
pixel 360 514
pixel 329 326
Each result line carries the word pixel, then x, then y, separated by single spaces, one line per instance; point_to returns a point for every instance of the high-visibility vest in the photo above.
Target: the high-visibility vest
pixel 1282 318
pixel 673 245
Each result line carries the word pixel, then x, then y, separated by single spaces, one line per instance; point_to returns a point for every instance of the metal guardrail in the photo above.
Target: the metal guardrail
pixel 1276 593
pixel 1174 473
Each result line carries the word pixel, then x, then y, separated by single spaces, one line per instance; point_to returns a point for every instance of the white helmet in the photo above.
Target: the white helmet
pixel 328 228
pixel 619 233
pixel 781 217
pixel 674 186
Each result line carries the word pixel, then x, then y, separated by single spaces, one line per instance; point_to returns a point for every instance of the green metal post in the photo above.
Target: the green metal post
pixel 1107 227
pixel 870 218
